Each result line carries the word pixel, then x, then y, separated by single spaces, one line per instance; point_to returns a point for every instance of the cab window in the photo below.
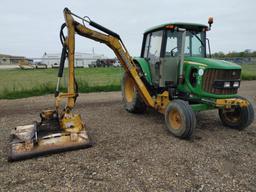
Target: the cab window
pixel 172 44
pixel 154 46
pixel 195 44
pixel 145 55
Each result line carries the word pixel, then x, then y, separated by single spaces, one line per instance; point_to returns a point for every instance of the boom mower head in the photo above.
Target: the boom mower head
pixel 59 130
pixel 46 137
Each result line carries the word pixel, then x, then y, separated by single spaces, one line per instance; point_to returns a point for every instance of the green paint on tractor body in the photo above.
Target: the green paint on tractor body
pixel 163 49
pixel 204 64
pixel 195 63
pixel 144 67
pixel 211 63
pixel 194 26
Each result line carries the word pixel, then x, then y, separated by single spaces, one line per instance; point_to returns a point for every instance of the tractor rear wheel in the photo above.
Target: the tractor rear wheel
pixel 132 100
pixel 238 118
pixel 180 119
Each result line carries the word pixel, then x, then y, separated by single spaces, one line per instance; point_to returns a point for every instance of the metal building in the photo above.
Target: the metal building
pixel 81 59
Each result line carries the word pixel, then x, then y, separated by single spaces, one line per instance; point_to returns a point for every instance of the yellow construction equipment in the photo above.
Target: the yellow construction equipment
pixel 60 129
pixel 24 64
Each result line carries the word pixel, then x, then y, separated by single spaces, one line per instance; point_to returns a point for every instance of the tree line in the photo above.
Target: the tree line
pixel 245 53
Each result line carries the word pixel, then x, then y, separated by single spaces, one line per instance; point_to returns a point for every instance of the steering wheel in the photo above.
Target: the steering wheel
pixel 172 51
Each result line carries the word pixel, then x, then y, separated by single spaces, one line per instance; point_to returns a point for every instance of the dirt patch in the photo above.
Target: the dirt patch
pixel 132 152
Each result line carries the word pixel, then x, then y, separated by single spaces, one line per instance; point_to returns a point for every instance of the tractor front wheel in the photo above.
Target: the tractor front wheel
pixel 180 119
pixel 237 118
pixel 132 100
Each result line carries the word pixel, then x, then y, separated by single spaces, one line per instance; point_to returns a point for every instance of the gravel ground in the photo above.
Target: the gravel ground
pixel 132 152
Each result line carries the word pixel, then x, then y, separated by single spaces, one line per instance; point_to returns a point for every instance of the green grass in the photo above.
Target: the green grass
pixel 248 71
pixel 16 83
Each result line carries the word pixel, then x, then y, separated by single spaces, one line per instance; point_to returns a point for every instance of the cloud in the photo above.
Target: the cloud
pixel 31 28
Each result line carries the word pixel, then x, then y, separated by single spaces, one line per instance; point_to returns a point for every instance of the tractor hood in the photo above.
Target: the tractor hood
pixel 211 63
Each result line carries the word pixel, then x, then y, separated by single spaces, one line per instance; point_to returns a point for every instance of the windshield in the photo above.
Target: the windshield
pixel 194 44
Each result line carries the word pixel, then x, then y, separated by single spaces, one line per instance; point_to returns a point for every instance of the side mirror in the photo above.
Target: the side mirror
pixel 210 22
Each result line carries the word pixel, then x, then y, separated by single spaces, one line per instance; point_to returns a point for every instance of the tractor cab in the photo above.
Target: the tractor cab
pixel 165 46
pixel 178 59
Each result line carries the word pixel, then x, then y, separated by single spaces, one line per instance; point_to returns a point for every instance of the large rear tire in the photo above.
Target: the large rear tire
pixel 133 102
pixel 238 118
pixel 180 119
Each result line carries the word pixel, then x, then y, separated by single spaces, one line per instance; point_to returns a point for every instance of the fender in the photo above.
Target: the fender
pixel 144 65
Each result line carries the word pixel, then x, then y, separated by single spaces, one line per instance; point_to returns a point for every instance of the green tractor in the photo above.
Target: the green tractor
pixel 176 58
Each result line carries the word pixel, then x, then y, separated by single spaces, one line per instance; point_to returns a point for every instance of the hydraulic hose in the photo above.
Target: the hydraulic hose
pixel 62 59
pixel 64 54
pixel 104 29
pixel 62 36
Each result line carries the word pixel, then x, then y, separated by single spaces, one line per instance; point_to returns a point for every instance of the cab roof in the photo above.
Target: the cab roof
pixel 189 26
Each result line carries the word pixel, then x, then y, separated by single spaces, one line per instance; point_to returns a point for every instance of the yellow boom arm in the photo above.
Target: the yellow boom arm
pixel 113 41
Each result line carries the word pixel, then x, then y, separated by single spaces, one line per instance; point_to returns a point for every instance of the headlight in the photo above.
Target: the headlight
pixel 220 84
pixel 200 72
pixel 226 84
pixel 236 84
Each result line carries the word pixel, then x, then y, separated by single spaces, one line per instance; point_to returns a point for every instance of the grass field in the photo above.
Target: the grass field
pixel 16 83
pixel 249 71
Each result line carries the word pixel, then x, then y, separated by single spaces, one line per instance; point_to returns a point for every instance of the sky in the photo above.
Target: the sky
pixel 31 27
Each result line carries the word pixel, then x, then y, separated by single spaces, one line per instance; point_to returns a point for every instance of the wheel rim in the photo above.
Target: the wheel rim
pixel 175 119
pixel 129 89
pixel 233 116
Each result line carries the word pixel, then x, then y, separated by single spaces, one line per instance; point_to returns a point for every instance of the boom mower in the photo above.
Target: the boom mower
pixel 174 75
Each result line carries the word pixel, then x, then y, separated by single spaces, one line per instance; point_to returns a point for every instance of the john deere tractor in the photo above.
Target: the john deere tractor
pixel 174 76
pixel 176 62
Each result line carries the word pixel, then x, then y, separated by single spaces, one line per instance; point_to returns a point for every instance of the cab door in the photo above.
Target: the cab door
pixel 153 53
pixel 170 59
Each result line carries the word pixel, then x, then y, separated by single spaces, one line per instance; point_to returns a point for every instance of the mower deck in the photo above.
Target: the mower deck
pixel 27 142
